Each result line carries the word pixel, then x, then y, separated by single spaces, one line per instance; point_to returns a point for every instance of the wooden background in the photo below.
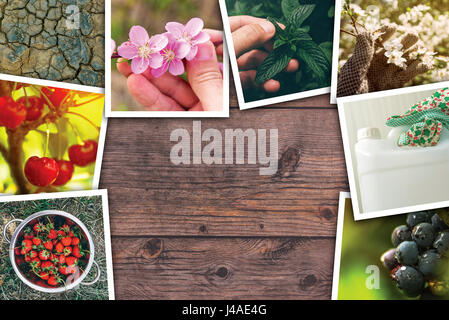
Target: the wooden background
pixel 224 231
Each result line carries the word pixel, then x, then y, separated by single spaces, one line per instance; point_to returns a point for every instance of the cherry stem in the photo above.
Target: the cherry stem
pixel 52 107
pixel 47 140
pixel 85 118
pixel 89 101
pixel 77 135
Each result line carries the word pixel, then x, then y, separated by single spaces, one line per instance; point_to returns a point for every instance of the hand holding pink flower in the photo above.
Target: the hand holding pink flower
pixel 192 33
pixel 143 50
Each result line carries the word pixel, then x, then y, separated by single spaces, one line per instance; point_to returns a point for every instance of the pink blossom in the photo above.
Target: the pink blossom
pixel 172 56
pixel 143 50
pixel 191 33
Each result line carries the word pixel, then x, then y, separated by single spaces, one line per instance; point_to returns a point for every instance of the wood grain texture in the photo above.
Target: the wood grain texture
pixel 223 268
pixel 158 198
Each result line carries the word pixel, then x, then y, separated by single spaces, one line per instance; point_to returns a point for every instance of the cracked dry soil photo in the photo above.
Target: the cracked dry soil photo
pixel 59 40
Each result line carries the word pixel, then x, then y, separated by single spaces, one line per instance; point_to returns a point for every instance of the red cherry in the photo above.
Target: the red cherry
pixel 65 172
pixel 34 105
pixel 12 114
pixel 41 172
pixel 55 95
pixel 82 155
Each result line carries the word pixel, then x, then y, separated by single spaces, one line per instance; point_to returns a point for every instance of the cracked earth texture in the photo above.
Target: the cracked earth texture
pixel 37 40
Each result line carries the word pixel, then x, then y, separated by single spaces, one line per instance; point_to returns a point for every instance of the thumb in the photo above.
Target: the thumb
pixel 252 36
pixel 205 78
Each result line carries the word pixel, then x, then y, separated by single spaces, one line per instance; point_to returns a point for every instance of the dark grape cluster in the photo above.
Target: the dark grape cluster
pixel 419 261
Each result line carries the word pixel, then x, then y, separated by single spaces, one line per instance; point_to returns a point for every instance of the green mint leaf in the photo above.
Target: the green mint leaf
pixel 300 14
pixel 326 47
pixel 300 35
pixel 314 58
pixel 276 61
pixel 288 6
pixel 279 42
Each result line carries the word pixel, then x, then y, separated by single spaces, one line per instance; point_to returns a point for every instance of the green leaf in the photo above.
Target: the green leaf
pixel 300 14
pixel 300 35
pixel 278 42
pixel 314 58
pixel 331 12
pixel 326 47
pixel 288 6
pixel 276 61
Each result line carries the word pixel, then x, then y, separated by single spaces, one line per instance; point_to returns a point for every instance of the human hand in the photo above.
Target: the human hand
pixel 368 69
pixel 252 38
pixel 203 92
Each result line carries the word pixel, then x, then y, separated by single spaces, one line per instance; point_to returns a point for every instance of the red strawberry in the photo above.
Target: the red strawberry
pixel 61 233
pixel 12 114
pixel 66 241
pixel 63 270
pixel 17 251
pixel 44 255
pixel 39 227
pixel 20 260
pixel 75 241
pixel 59 247
pixel 52 281
pixel 82 155
pixel 67 251
pixel 34 107
pixel 28 234
pixel 66 228
pixel 44 275
pixel 27 245
pixel 53 258
pixel 76 252
pixel 35 263
pixel 52 234
pixel 71 261
pixel 61 259
pixel 33 254
pixel 41 172
pixel 28 258
pixel 47 265
pixel 65 172
pixel 48 245
pixel 36 241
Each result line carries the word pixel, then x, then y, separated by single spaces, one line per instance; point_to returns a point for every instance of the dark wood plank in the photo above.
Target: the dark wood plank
pixel 151 196
pixel 222 268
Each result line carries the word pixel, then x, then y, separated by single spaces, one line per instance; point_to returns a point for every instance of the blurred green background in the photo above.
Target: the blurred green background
pixel 152 15
pixel 363 244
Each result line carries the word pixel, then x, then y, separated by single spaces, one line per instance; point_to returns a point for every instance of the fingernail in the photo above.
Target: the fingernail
pixel 204 52
pixel 267 26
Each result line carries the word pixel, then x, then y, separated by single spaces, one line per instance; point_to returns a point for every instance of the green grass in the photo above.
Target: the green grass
pixel 90 211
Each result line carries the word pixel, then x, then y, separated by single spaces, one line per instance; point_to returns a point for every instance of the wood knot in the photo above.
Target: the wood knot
pixel 222 272
pixel 327 213
pixel 203 229
pixel 308 282
pixel 289 162
pixel 152 248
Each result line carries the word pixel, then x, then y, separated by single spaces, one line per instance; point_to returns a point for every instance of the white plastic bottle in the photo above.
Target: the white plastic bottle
pixel 392 177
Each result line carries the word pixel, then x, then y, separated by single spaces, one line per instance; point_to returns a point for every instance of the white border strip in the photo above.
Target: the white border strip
pixel 160 114
pixel 358 215
pixel 235 71
pixel 48 83
pixel 78 194
pixel 338 243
